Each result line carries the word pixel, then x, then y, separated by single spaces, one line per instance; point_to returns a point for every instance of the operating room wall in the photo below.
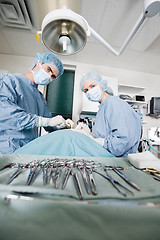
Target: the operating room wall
pixel 150 82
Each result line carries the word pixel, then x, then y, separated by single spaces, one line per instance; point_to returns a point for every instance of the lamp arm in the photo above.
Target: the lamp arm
pixel 102 41
pixel 129 38
pixel 132 32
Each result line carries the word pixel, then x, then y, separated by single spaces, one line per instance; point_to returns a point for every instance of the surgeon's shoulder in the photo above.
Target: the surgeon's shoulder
pixel 9 79
pixel 112 100
pixel 118 100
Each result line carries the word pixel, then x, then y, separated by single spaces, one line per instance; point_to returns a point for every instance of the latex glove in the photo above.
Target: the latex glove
pixel 69 123
pixel 57 121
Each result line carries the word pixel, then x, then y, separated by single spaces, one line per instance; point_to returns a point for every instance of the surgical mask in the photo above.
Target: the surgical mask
pixel 95 94
pixel 41 77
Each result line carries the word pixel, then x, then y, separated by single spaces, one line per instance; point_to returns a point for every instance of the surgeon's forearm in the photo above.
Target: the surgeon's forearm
pixel 117 146
pixel 15 118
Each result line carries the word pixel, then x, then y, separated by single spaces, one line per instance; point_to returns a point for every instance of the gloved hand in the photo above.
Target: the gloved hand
pixel 57 121
pixel 69 123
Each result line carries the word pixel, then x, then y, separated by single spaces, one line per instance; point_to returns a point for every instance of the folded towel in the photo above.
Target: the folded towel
pixel 144 160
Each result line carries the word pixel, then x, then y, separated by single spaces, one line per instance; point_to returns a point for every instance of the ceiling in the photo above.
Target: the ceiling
pixel 112 19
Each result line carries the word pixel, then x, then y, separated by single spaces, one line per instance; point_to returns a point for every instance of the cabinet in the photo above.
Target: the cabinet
pixel 132 91
pixel 128 89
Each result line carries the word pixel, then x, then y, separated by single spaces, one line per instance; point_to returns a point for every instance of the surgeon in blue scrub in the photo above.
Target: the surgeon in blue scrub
pixel 23 108
pixel 117 126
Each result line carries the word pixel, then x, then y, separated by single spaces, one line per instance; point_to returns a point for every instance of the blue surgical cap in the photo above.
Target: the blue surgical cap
pixel 97 78
pixel 51 58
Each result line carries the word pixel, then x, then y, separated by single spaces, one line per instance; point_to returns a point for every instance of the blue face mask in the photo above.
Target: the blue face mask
pixel 41 77
pixel 95 94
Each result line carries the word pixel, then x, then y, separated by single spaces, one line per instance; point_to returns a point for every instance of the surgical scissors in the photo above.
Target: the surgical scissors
pixel 154 172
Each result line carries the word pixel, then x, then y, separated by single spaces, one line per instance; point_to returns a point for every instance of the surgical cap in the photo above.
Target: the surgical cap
pixel 97 78
pixel 51 58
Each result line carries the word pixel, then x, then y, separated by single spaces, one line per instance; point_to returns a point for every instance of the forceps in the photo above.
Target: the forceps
pixel 46 175
pixel 8 165
pixel 92 181
pixel 114 182
pixel 124 177
pixel 34 171
pixel 15 174
pixel 56 176
pixel 77 184
pixel 85 180
pixel 66 177
pixel 69 171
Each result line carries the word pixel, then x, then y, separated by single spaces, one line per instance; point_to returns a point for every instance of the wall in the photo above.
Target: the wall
pixel 150 82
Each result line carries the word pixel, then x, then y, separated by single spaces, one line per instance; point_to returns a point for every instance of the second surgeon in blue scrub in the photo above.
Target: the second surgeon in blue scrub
pixel 117 125
pixel 22 107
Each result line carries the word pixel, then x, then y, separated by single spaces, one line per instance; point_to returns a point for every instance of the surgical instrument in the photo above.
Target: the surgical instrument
pixel 154 172
pixel 66 177
pixel 77 184
pixel 114 182
pixel 124 177
pixel 85 179
pixel 15 174
pixel 92 181
pixel 32 175
pixel 8 165
pixel 56 177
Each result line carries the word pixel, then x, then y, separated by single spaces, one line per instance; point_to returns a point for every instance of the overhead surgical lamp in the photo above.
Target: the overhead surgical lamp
pixel 65 32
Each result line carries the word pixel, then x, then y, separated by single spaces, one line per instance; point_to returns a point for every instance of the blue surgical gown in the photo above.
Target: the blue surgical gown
pixel 120 125
pixel 20 104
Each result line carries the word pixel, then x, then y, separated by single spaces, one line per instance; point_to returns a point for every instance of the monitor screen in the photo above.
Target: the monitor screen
pixel 157 104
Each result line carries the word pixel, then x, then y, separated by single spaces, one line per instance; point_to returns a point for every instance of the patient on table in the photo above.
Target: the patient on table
pixel 67 142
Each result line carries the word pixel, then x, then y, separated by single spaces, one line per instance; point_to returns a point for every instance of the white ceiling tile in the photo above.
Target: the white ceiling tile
pixel 118 20
pixel 155 46
pixel 146 34
pixel 92 11
pixel 5 46
pixel 22 42
pixel 146 61
pixel 92 54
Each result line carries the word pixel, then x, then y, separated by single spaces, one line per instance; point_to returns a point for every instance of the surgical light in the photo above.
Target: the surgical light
pixel 65 32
